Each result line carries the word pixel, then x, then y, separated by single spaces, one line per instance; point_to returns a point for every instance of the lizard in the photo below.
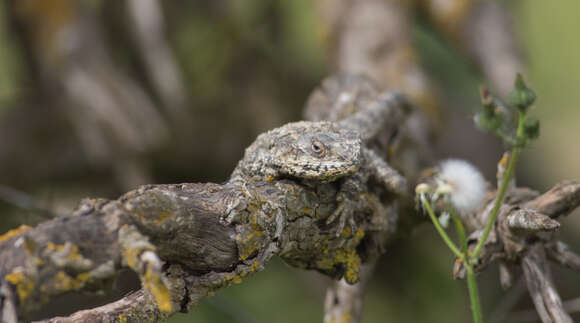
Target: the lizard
pixel 312 151
pixel 341 96
pixel 321 152
pixel 354 102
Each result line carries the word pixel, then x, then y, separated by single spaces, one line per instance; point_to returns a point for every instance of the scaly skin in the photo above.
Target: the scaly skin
pixel 354 102
pixel 320 152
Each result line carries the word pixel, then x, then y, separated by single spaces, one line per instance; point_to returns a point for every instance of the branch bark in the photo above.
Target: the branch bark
pixel 183 225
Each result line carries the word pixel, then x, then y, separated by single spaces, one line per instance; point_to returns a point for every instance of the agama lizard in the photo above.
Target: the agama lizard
pixel 317 153
pixel 355 103
pixel 321 152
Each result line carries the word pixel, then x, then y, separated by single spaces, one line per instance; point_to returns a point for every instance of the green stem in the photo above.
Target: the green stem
pixel 460 232
pixel 502 190
pixel 442 233
pixel 473 294
pixel 471 280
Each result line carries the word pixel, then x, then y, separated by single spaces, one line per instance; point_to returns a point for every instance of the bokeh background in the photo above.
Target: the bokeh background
pixel 97 97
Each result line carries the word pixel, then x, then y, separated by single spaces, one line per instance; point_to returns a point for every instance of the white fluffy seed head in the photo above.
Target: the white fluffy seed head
pixel 466 182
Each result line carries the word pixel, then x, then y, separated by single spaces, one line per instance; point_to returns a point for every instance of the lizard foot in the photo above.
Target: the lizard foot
pixel 344 213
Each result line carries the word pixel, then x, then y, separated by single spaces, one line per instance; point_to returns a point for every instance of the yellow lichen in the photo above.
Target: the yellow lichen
pixel 352 267
pixel 249 243
pixel 63 282
pixel 83 277
pixel 254 265
pixel 253 219
pixel 235 278
pixel 122 318
pixel 346 231
pixel 351 261
pixel 29 245
pixel 54 247
pixel 164 215
pixel 344 318
pixel 130 256
pixel 24 285
pixel 74 254
pixel 14 232
pixel 154 284
pixel 359 235
pixel 502 165
pixel 346 256
pixel 253 207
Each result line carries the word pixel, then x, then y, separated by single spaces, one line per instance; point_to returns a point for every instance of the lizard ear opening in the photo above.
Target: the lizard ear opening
pixel 318 148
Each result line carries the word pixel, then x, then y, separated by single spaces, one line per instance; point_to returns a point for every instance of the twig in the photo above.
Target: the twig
pixel 23 201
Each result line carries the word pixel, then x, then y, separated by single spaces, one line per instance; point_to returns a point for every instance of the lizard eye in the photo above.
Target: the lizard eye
pixel 317 147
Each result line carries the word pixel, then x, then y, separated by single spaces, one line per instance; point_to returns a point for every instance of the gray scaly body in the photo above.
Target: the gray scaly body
pixel 354 102
pixel 319 152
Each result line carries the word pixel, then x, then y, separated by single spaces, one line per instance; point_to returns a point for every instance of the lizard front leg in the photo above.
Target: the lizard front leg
pixel 349 201
pixel 385 174
pixel 348 197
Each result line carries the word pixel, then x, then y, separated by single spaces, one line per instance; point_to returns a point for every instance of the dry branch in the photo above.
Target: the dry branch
pixel 184 225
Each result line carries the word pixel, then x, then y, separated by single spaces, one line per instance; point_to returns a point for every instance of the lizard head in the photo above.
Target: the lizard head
pixel 320 151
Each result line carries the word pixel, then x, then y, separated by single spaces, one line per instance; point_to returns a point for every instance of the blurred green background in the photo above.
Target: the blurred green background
pixel 249 66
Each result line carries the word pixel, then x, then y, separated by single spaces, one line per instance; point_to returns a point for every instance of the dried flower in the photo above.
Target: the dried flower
pixel 463 183
pixel 421 192
pixel 422 188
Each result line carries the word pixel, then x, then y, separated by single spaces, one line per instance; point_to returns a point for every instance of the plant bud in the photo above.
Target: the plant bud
pixel 522 97
pixel 532 128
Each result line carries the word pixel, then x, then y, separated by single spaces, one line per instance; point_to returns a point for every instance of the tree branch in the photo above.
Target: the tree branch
pixel 183 225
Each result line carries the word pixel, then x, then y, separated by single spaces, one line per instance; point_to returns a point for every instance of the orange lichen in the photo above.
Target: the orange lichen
pixel 14 232
pixel 502 165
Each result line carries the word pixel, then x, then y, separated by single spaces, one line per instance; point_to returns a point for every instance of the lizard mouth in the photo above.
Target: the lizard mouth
pixel 325 172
